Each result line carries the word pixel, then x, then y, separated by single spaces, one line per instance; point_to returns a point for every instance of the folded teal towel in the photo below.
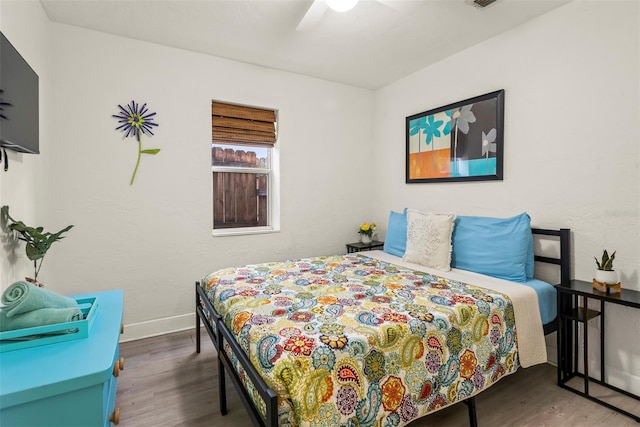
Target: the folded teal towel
pixel 40 317
pixel 22 297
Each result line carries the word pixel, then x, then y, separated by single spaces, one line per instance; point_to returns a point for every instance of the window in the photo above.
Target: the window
pixel 244 168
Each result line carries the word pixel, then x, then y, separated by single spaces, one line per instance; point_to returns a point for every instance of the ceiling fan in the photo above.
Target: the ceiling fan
pixel 318 8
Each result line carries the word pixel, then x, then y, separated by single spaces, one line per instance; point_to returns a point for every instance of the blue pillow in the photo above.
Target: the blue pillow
pixel 395 242
pixel 497 247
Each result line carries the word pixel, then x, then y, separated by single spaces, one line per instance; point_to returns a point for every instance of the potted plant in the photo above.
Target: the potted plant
pixel 38 241
pixel 605 273
pixel 366 231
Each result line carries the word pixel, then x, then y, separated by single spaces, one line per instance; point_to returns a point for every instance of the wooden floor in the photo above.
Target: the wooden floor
pixel 165 383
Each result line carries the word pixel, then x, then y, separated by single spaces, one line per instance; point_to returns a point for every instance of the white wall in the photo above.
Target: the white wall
pixel 572 121
pixel 26 26
pixel 153 239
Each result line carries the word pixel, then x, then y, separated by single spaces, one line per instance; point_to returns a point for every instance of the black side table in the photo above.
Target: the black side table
pixel 359 246
pixel 571 312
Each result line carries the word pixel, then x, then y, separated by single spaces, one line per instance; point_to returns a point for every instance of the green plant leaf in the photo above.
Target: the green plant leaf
pixel 151 151
pixel 35 233
pixel 34 253
pixel 609 264
pixel 606 263
pixel 18 226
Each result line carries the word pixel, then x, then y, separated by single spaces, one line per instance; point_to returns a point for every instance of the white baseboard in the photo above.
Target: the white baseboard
pixel 152 328
pixel 621 378
pixel 617 377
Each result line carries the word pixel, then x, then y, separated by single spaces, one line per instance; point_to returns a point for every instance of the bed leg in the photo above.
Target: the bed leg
pixel 197 321
pixel 471 404
pixel 197 333
pixel 222 392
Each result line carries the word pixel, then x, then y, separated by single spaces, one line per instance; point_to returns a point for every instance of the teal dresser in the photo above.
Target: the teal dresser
pixel 70 383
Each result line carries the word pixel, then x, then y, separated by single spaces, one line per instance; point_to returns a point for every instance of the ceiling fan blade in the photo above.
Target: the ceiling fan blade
pixel 313 15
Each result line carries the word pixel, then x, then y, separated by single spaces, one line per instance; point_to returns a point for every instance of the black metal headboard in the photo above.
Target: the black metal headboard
pixel 564 261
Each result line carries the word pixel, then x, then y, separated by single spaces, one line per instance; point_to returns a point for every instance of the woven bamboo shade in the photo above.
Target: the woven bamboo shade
pixel 238 125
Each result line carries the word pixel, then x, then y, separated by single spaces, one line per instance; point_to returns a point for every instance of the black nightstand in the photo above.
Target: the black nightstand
pixel 573 309
pixel 359 246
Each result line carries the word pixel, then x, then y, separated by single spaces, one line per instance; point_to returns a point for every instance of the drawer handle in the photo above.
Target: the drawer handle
pixel 115 416
pixel 121 363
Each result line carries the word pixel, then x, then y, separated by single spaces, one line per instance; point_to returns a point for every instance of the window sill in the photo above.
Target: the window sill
pixel 243 231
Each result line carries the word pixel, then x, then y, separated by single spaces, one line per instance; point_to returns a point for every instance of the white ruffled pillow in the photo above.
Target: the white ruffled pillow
pixel 429 239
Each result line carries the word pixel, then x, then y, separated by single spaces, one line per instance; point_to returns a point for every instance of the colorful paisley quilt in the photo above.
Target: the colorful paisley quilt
pixel 354 341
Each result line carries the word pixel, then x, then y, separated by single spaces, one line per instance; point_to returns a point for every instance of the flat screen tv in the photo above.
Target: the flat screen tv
pixel 18 101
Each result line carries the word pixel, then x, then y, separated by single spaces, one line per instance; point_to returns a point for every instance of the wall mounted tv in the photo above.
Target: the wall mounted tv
pixel 18 101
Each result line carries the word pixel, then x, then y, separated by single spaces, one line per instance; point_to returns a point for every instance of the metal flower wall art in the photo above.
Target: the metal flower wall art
pixel 136 120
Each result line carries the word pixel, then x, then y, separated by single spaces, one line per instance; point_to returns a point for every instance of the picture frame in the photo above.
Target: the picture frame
pixel 462 141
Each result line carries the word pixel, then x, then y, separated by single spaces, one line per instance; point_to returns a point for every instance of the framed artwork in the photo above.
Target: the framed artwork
pixel 462 141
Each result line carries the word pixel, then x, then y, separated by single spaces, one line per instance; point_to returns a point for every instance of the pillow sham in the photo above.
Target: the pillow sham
pixel 429 239
pixel 395 242
pixel 497 247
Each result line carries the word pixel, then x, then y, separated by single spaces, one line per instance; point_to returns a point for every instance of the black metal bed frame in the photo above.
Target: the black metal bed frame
pixel 564 261
pixel 219 333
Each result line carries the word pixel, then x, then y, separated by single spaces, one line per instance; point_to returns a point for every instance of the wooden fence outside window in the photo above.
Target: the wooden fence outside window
pixel 239 198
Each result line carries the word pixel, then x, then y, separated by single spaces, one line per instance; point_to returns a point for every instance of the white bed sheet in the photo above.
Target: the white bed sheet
pixel 532 348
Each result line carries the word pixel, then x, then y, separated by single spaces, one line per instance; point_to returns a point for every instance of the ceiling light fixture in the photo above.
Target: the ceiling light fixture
pixel 341 5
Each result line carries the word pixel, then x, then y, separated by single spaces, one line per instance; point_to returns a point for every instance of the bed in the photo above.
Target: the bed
pixel 367 338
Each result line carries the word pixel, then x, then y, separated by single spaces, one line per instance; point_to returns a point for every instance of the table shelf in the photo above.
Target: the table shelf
pixel 581 314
